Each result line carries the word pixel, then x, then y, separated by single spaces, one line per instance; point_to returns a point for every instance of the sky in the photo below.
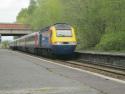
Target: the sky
pixel 9 9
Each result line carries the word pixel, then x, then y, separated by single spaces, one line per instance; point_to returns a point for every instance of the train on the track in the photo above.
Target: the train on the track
pixel 58 39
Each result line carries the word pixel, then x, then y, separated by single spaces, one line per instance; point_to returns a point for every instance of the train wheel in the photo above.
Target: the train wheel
pixel 35 51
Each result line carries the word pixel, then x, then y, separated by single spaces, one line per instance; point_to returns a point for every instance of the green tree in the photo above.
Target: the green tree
pixel 5 44
pixel 92 19
pixel 22 16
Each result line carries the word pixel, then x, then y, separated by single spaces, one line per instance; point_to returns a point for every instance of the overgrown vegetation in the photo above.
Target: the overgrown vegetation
pixel 112 41
pixel 4 44
pixel 99 23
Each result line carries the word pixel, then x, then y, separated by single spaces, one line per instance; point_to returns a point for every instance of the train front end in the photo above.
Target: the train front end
pixel 63 39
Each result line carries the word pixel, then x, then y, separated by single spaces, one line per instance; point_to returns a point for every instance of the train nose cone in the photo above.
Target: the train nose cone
pixel 63 49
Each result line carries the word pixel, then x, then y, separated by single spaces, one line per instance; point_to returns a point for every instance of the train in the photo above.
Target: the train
pixel 57 39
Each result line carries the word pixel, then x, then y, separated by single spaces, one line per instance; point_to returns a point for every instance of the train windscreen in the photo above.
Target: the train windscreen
pixel 64 33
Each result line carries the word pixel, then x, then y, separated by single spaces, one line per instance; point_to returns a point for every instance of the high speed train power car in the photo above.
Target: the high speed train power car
pixel 58 39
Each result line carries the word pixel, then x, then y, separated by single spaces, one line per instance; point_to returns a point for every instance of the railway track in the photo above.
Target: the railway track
pixel 108 71
pixel 111 60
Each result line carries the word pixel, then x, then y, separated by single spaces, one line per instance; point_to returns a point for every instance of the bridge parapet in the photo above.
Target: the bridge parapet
pixel 15 29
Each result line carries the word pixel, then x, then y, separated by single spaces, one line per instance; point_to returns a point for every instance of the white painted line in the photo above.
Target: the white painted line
pixel 92 73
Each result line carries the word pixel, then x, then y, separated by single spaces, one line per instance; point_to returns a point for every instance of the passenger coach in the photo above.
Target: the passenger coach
pixel 58 39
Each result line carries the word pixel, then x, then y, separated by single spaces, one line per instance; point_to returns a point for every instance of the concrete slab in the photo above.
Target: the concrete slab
pixel 20 74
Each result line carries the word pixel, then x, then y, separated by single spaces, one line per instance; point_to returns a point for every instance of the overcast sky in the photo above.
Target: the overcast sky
pixel 9 9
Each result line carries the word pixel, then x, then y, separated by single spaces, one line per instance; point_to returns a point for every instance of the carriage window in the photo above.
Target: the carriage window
pixel 64 33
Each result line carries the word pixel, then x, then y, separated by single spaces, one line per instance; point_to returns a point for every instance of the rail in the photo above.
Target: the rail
pixel 113 60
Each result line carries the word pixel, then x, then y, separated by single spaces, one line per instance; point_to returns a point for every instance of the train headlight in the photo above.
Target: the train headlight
pixel 57 43
pixel 73 43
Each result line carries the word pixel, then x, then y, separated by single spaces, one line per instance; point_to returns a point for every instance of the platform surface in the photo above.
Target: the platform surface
pixel 23 74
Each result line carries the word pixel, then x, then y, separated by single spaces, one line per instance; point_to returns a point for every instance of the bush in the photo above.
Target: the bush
pixel 5 44
pixel 112 41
